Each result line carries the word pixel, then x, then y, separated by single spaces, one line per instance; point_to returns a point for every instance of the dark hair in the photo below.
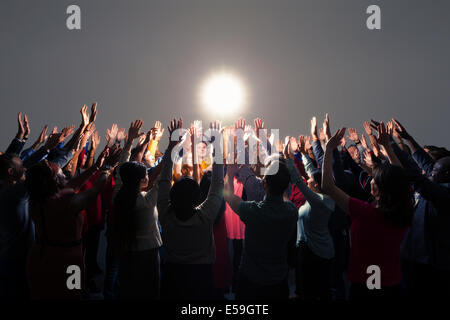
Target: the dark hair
pixel 184 197
pixel 40 182
pixel 437 152
pixel 396 197
pixel 317 176
pixel 279 181
pixel 6 162
pixel 131 174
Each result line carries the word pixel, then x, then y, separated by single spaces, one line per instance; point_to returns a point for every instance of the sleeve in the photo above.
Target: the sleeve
pixel 318 152
pixel 299 165
pixel 357 207
pixel 26 153
pixel 15 146
pixel 213 201
pixel 434 192
pixel 424 160
pixel 36 157
pixel 63 158
pixel 254 187
pixel 341 178
pixel 308 164
pixel 164 183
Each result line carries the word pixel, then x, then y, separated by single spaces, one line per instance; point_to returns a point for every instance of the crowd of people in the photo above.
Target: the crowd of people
pixel 200 220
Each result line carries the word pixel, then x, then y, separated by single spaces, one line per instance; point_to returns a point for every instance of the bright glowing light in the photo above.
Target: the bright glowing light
pixel 223 93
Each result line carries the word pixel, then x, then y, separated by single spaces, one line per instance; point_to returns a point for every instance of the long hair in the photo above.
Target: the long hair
pixel 131 174
pixel 40 183
pixel 396 200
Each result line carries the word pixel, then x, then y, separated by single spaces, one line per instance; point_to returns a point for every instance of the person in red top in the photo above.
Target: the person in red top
pixel 55 208
pixel 378 227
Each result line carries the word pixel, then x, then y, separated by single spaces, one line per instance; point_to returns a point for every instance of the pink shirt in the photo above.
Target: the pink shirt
pixel 235 227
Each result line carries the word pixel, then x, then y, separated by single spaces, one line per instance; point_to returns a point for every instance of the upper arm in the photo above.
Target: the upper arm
pixel 214 199
pixel 340 198
pixel 152 195
pixel 424 160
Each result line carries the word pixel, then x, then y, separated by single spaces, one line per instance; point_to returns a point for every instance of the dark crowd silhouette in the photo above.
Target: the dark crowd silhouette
pixel 320 217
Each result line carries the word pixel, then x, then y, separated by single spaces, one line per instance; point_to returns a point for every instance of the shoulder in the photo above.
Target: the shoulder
pixel 357 207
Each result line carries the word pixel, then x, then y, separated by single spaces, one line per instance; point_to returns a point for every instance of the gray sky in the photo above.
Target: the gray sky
pixel 146 59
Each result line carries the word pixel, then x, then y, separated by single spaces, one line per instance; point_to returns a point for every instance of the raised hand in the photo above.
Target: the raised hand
pixel 308 145
pixel 374 124
pixel 93 112
pixel 364 142
pixel 367 128
pixel 111 134
pixel 84 116
pixel 134 130
pixel 287 151
pixel 174 125
pixel 120 135
pixel 42 137
pixel 314 128
pixel 259 124
pixel 353 135
pixel 217 126
pixel 322 135
pixel 67 131
pixel 383 136
pixel 302 144
pixel 26 124
pixel 336 139
pixel 95 139
pixel 326 127
pixel 401 130
pixel 53 141
pixel 21 128
pixel 158 132
pixel 343 142
pixel 280 146
pixel 240 124
pixel 390 128
pixel 54 130
pixel 368 159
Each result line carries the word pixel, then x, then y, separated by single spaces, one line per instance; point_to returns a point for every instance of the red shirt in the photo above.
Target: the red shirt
pixel 373 242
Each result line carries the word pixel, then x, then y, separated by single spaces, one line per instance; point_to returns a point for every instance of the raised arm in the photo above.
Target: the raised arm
pixel 422 158
pixel 328 185
pixel 312 197
pixel 165 178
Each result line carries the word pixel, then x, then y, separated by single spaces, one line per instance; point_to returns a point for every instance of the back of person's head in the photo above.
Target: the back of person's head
pixel 393 194
pixel 437 152
pixel 277 178
pixel 316 174
pixel 10 167
pixel 41 182
pixel 184 197
pixel 441 171
pixel 132 174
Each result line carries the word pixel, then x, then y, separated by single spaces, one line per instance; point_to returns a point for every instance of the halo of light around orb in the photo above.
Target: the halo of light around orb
pixel 223 93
